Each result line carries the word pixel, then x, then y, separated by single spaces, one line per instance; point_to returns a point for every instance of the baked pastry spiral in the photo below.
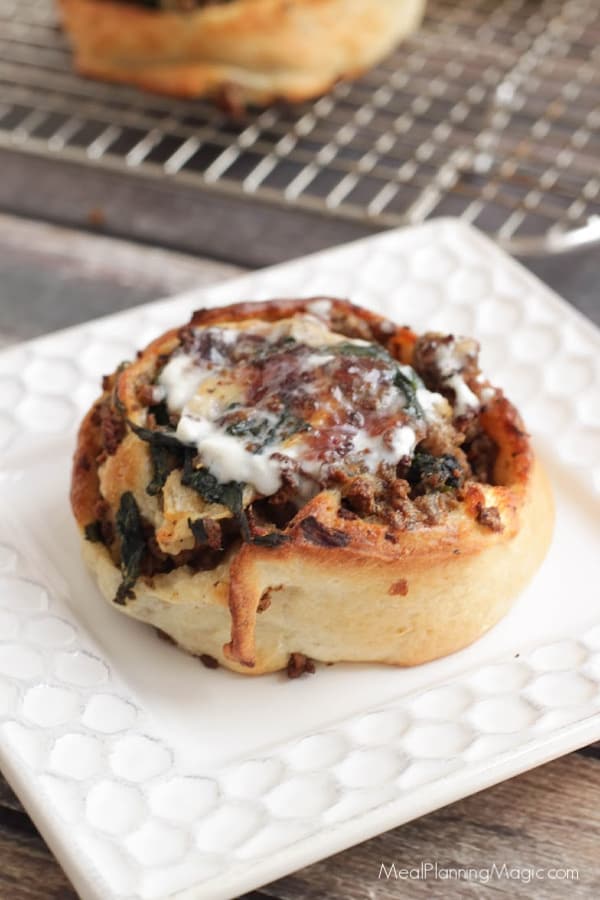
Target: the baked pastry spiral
pixel 243 51
pixel 297 480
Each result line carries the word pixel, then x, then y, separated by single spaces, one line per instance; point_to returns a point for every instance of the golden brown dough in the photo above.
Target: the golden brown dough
pixel 248 51
pixel 345 576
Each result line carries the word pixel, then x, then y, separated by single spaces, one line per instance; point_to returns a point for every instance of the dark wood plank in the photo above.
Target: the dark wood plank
pixel 8 799
pixel 593 751
pixel 28 871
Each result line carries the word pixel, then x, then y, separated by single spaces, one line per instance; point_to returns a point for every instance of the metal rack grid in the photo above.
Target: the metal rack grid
pixel 491 112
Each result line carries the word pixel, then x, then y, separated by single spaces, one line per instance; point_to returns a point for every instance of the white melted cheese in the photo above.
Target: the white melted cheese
pixel 465 399
pixel 391 449
pixel 314 360
pixel 200 390
pixel 450 364
pixel 227 457
pixel 434 406
pixel 180 379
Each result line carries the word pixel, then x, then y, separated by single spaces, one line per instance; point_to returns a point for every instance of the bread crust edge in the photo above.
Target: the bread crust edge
pixel 336 606
pixel 418 596
pixel 246 52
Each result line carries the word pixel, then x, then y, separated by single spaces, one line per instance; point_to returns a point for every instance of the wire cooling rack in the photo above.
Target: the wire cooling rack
pixel 491 112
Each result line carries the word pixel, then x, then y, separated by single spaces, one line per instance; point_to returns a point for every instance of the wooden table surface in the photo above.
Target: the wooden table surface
pixel 51 276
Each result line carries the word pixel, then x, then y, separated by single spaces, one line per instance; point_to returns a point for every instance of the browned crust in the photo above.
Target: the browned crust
pixel 255 51
pixel 319 538
pixel 85 487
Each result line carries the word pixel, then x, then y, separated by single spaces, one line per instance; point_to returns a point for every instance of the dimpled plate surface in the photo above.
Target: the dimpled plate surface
pixel 152 777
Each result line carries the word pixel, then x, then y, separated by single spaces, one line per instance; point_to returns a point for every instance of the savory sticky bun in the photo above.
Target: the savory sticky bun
pixel 296 480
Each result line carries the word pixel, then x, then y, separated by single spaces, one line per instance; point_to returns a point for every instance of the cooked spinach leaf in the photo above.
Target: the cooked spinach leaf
pixel 430 473
pixel 93 532
pixel 229 494
pixel 132 543
pixel 162 465
pixel 166 452
pixel 250 427
pixel 198 529
pixel 211 489
pixel 288 425
pixel 265 430
pixel 160 411
pixel 347 348
pixel 157 437
pixel 409 384
pixel 273 539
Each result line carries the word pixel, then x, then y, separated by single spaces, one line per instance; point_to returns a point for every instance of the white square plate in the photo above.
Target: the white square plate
pixel 152 777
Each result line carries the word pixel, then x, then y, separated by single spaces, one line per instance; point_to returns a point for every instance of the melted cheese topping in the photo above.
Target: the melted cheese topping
pixel 450 363
pixel 263 402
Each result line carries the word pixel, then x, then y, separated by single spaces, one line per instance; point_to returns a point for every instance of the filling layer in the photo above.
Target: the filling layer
pixel 294 401
pixel 244 422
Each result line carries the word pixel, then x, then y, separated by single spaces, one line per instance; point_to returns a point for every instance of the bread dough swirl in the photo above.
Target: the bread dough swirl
pixel 305 479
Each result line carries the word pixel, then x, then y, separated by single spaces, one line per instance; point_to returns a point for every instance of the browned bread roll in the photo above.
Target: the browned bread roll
pixel 303 479
pixel 244 51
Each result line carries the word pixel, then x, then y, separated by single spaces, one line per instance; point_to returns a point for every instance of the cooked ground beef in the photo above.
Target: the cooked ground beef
pixel 442 438
pixel 482 453
pixel 209 661
pixel 112 428
pixel 360 494
pixel 489 516
pixel 415 512
pixel 298 665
